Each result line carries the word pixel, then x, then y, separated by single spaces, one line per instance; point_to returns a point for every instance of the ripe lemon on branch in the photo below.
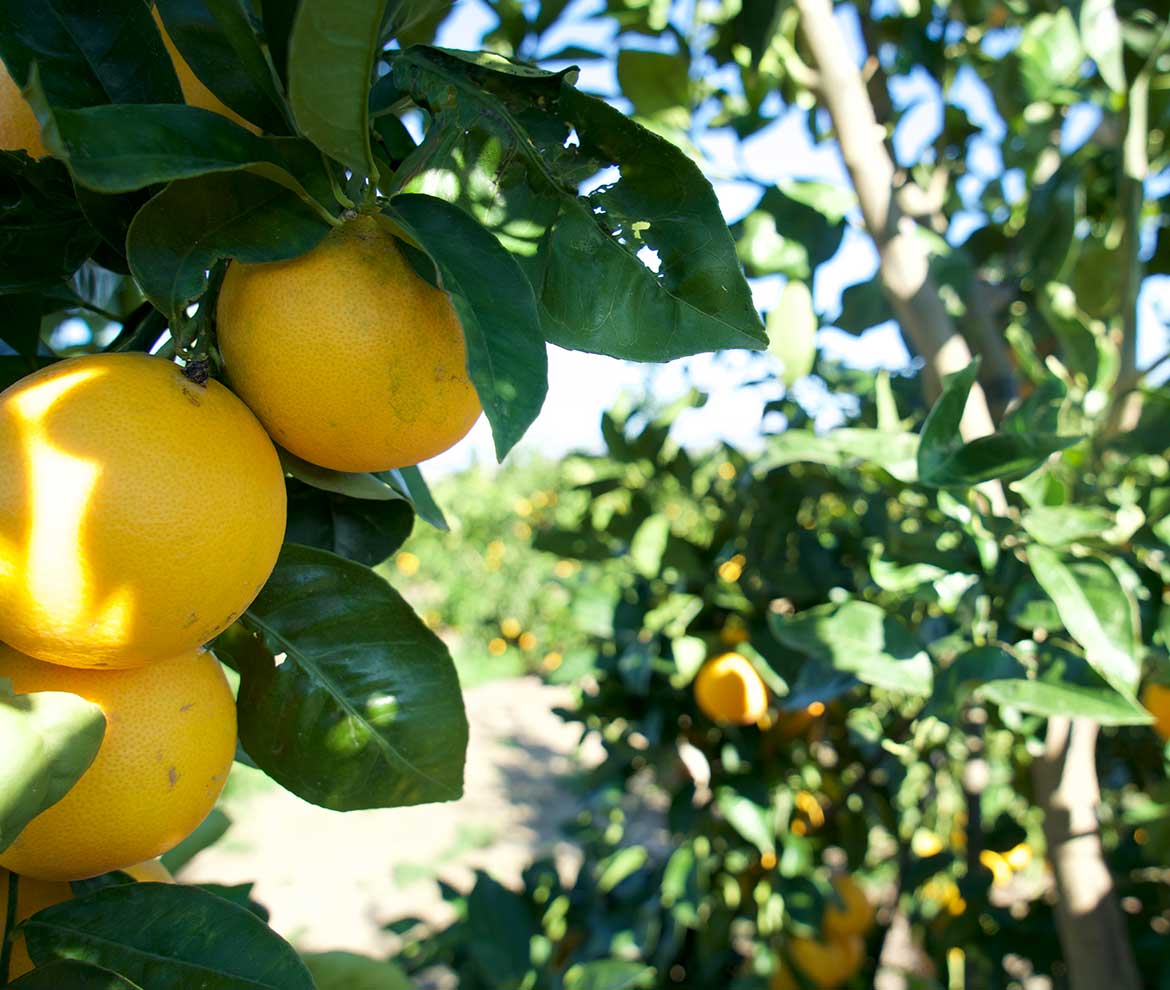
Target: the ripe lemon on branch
pixel 729 691
pixel 349 358
pixel 140 513
pixel 854 916
pixel 19 129
pixel 169 742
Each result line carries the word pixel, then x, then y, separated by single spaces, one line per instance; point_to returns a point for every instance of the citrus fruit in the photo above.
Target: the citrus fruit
pixel 31 896
pixel 348 358
pixel 1156 697
pixel 829 962
pixel 782 978
pixel 194 92
pixel 19 130
pixel 728 690
pixel 140 513
pixel 169 742
pixel 854 916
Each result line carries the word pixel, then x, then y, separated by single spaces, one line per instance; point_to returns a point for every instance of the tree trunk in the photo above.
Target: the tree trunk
pixel 1092 933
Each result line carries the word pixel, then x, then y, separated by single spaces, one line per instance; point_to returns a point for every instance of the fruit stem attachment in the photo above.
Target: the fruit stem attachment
pixel 9 924
pixel 197 370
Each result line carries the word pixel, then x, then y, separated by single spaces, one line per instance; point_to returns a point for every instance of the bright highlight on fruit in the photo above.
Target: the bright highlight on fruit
pixel 349 358
pixel 169 742
pixel 140 513
pixel 728 690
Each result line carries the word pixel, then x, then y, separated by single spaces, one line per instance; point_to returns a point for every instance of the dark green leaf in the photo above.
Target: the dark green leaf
pixel 794 229
pixel 940 432
pixel 48 739
pixel 412 481
pixel 166 937
pixel 657 84
pixel 188 227
pixel 278 17
pixel 499 928
pixel 506 355
pixel 216 39
pixel 860 639
pixel 973 669
pixel 863 305
pixel 365 530
pixel 332 50
pixel 88 54
pixel 501 146
pixel 74 975
pixel 346 698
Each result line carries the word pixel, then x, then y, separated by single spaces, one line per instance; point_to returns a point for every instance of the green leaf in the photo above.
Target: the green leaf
pixel 216 39
pixel 940 432
pixel 945 461
pixel 608 974
pixel 72 974
pixel 115 149
pixel 349 971
pixel 88 54
pixel 193 224
pixel 412 482
pixel 499 927
pixel 277 17
pixel 619 866
pixel 792 332
pixel 649 544
pixel 1103 705
pixel 863 305
pixel 48 739
pixel 1100 32
pixel 1050 55
pixel 364 530
pixel 795 228
pixel 1060 525
pixel 971 671
pixel 206 834
pixel 752 821
pixel 657 84
pixel 1097 612
pixel 506 355
pixel 860 639
pixel 893 452
pixel 166 937
pixel 332 50
pixel 346 698
pixel 43 237
pixel 501 145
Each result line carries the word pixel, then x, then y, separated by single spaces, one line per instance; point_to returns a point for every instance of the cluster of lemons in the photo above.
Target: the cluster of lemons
pixel 143 507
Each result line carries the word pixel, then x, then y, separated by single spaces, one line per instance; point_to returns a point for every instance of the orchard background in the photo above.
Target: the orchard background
pixel 931 518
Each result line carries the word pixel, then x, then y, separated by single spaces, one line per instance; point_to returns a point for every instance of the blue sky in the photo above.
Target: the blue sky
pixel 582 386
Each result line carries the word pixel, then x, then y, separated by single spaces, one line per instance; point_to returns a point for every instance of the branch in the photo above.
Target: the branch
pixel 904 271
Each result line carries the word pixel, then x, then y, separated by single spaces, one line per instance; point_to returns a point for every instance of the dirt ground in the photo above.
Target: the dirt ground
pixel 332 880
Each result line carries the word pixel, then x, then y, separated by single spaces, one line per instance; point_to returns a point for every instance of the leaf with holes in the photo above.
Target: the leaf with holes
pixel 584 198
pixel 346 698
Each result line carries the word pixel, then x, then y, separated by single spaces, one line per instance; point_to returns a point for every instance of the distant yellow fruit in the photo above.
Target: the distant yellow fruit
pixel 830 962
pixel 349 358
pixel 855 916
pixel 510 627
pixel 31 896
pixel 194 92
pixel 140 513
pixel 1156 697
pixel 169 742
pixel 728 690
pixel 19 130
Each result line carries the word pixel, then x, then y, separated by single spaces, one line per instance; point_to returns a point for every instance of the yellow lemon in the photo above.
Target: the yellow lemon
pixel 855 916
pixel 728 690
pixel 830 962
pixel 194 92
pixel 1156 697
pixel 140 513
pixel 348 358
pixel 31 896
pixel 19 130
pixel 169 742
pixel 149 871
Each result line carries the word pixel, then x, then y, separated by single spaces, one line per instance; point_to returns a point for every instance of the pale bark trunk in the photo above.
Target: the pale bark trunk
pixel 1097 951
